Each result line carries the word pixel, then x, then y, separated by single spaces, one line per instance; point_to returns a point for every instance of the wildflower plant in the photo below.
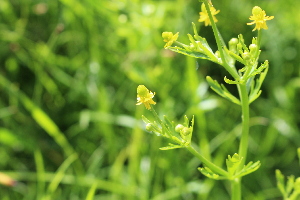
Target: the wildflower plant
pixel 248 80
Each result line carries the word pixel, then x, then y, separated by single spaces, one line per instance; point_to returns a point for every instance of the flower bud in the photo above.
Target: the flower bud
pixel 232 44
pixel 179 127
pixel 142 90
pixel 253 48
pixel 246 56
pixel 185 131
pixel 167 36
pixel 256 10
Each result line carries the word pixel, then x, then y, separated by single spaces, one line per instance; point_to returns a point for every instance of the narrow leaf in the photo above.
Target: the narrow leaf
pixel 221 90
pixel 190 53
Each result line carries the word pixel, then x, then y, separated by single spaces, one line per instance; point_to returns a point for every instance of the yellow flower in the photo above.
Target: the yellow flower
pixel 145 96
pixel 259 18
pixel 169 38
pixel 204 15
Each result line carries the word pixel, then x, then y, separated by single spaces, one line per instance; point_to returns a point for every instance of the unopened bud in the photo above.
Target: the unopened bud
pixel 256 10
pixel 253 48
pixel 185 131
pixel 246 56
pixel 179 127
pixel 232 44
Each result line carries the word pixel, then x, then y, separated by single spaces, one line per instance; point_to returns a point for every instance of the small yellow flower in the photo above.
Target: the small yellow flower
pixel 145 96
pixel 204 15
pixel 169 38
pixel 259 18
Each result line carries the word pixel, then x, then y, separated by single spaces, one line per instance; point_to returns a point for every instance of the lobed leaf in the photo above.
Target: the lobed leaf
pixel 210 174
pixel 221 90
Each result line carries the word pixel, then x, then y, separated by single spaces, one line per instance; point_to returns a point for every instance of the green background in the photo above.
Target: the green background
pixel 69 126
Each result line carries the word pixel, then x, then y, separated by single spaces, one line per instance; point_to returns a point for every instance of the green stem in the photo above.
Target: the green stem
pixel 258 42
pixel 156 116
pixel 231 70
pixel 243 148
pixel 236 189
pixel 209 164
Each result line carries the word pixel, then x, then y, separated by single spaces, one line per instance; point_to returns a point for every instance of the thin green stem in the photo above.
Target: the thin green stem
pixel 156 116
pixel 209 164
pixel 231 70
pixel 243 148
pixel 258 42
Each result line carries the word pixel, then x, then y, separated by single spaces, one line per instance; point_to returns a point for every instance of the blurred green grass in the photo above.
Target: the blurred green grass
pixel 69 126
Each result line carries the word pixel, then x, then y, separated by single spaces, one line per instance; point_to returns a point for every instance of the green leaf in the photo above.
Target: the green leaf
pixel 235 56
pixel 247 169
pixel 228 81
pixel 186 121
pixel 280 182
pixel 190 53
pixel 210 174
pixel 221 90
pixel 255 91
pixel 146 120
pixel 170 124
pixel 290 184
pixel 171 146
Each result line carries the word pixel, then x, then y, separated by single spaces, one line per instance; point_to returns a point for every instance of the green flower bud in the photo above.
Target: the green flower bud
pixel 246 56
pixel 253 48
pixel 232 44
pixel 185 131
pixel 256 11
pixel 179 127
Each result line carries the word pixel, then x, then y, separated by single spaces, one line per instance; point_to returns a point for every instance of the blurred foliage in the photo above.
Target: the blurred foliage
pixel 69 126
